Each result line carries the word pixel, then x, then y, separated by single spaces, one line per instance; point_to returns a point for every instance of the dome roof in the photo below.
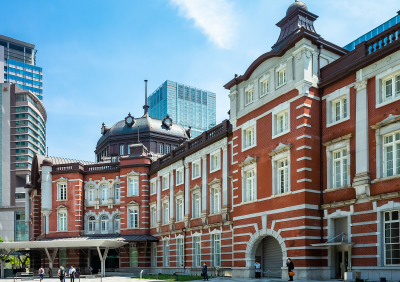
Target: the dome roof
pixel 294 6
pixel 146 124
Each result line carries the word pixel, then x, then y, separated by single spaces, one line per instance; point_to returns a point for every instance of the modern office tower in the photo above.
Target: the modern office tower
pixel 22 135
pixel 185 105
pixel 18 64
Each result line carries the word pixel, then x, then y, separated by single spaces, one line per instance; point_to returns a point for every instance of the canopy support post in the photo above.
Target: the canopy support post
pixel 103 260
pixel 2 261
pixel 51 260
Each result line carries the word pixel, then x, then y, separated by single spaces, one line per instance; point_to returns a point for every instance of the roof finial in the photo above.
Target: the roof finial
pixel 145 107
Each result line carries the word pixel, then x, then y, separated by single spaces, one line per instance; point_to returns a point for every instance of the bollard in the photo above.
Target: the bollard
pixel 141 274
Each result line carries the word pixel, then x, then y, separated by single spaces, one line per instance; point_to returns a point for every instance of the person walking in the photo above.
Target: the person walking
pixel 204 271
pixel 257 266
pixel 72 272
pixel 41 273
pixel 90 270
pixel 290 267
pixel 61 274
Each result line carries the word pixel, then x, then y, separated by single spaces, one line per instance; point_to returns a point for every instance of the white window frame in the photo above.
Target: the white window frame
pixel 91 194
pixel 133 210
pixel 265 81
pixel 161 149
pixel 166 253
pixel 331 99
pixel 394 96
pixel 215 197
pixel 250 177
pixel 216 155
pixel 154 254
pixel 282 109
pixel 179 208
pixel 62 191
pixel 165 212
pixel 116 223
pixel 132 191
pixel 380 86
pixel 275 182
pixel 104 228
pixel 196 257
pixel 165 182
pixel 104 187
pixel 153 186
pixel 282 77
pixel 180 246
pixel 384 233
pixel 122 149
pixel 216 249
pixel 179 176
pixel 249 96
pixel 167 149
pixel 61 228
pixel 117 192
pixel 249 125
pixel 196 163
pixel 395 154
pixel 91 223
pixel 196 213
pixel 343 107
pixel 284 118
pixel 343 167
pixel 330 149
pixel 245 169
pixel 153 215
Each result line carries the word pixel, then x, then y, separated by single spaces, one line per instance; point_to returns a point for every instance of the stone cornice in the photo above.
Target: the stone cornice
pixel 281 148
pixel 389 120
pixel 337 140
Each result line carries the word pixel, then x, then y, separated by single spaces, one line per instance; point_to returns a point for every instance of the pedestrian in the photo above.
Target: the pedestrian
pixel 61 274
pixel 41 273
pixel 204 271
pixel 72 272
pixel 290 267
pixel 90 270
pixel 257 266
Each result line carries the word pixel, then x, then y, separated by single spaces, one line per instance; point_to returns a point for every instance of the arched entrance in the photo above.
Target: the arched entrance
pixel 270 249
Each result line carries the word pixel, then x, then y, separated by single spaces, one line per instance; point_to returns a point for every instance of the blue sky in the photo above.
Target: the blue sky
pixel 95 54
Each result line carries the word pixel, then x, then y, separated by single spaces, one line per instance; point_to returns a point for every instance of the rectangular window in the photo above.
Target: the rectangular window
pixel 249 193
pixel 179 176
pixel 179 247
pixel 179 209
pixel 117 191
pixel 121 150
pixel 196 205
pixel 153 216
pixel 133 218
pixel 215 200
pixel 339 168
pixel 196 170
pixel 133 186
pixel 165 213
pixel 129 149
pixel 104 193
pixel 283 176
pixel 217 249
pixel 282 77
pixel 62 221
pixel 167 149
pixel 197 251
pixel 339 109
pixel 154 254
pixel 133 255
pixel 166 253
pixel 391 154
pixel 91 195
pixel 265 87
pixel 215 163
pixel 153 187
pixel 392 238
pixel 282 122
pixel 62 191
pixel 391 88
pixel 249 96
pixel 249 138
pixel 165 182
pixel 160 148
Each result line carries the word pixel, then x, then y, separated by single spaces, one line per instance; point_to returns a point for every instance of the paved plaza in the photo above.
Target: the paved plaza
pixel 126 279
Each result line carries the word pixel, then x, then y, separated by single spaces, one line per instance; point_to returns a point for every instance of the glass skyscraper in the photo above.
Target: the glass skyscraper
pixel 185 105
pixel 18 62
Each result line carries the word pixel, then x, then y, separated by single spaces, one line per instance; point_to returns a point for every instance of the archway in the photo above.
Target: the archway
pixel 270 248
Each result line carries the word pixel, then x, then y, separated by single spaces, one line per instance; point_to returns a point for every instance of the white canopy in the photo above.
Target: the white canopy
pixel 76 243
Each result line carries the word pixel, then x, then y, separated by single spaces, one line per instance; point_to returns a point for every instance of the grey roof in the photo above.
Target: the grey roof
pixel 58 160
pixel 145 124
pixel 137 238
pixel 295 5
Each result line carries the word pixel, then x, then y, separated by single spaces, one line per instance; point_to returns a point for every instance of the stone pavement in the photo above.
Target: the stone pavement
pixel 126 279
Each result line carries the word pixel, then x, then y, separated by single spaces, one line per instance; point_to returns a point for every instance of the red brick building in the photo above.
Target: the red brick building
pixel 307 167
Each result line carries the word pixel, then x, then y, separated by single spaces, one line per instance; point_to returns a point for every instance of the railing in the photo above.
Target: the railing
pixel 164 159
pixel 179 151
pixel 64 167
pixel 96 167
pixel 215 131
pixel 382 40
pixel 96 232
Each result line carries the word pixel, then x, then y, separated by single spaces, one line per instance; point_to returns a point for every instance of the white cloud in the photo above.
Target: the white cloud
pixel 215 18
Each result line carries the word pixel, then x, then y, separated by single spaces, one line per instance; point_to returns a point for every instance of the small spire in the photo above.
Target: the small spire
pixel 145 107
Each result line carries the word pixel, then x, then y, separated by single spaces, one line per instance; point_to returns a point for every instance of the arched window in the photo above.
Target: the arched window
pixel 117 222
pixel 104 223
pixel 91 223
pixel 104 193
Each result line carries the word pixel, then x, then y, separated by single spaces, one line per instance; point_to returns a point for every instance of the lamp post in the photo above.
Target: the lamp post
pixel 184 248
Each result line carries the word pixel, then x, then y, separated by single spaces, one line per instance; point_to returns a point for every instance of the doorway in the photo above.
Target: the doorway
pixel 341 263
pixel 269 254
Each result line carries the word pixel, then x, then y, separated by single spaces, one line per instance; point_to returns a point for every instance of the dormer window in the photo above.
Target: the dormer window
pixel 281 77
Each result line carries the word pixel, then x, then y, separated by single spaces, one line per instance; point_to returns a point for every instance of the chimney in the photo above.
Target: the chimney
pixel 145 107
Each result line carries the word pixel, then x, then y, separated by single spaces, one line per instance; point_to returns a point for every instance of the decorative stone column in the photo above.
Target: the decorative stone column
pixel 204 194
pixel 362 180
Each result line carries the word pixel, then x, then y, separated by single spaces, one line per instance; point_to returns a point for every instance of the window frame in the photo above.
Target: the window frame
pixel 284 77
pixel 265 81
pixel 180 180
pixel 135 223
pixel 117 191
pixel 106 220
pixel 281 110
pixel 161 149
pixel 275 182
pixel 252 126
pixel 390 221
pixel 153 183
pixel 166 253
pixel 129 192
pixel 165 182
pixel 167 149
pixel 179 208
pixel 249 94
pixel 196 163
pixel 165 212
pixel 63 185
pixel 216 237
pixel 330 149
pixel 91 223
pixel 62 212
pixel 343 109
pixel 216 154
pixel 343 170
pixel 196 257
pixel 196 193
pixel 180 249
pixel 338 95
pixel 104 187
pixel 153 218
pixel 395 153
pixel 122 149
